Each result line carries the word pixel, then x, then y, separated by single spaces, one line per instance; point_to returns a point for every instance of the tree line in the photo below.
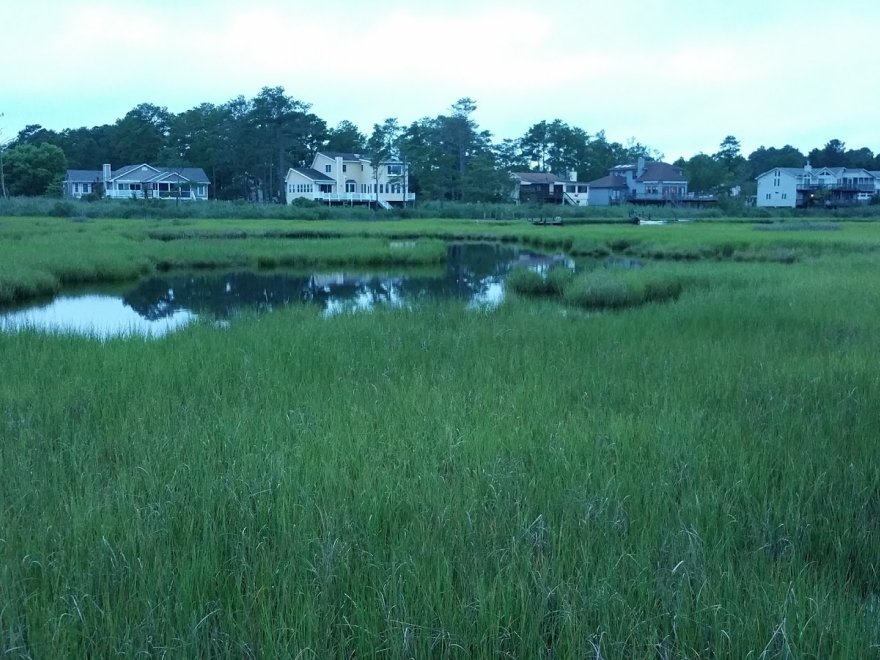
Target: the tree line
pixel 727 169
pixel 246 147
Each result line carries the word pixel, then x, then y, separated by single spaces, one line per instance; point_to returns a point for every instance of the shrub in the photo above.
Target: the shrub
pixel 63 210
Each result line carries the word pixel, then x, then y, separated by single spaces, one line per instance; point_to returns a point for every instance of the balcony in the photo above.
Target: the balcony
pixel 152 194
pixel 363 198
pixel 654 197
pixel 838 186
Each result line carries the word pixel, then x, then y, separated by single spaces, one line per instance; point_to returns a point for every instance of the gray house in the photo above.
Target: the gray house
pixel 138 181
pixel 650 182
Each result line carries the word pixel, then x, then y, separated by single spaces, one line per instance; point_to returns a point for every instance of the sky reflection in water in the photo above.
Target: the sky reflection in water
pixel 474 274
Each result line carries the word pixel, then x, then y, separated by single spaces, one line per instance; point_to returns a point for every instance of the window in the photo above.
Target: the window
pixel 344 167
pixel 381 188
pixel 784 195
pixel 395 169
pixel 328 168
pixel 769 196
pixel 349 186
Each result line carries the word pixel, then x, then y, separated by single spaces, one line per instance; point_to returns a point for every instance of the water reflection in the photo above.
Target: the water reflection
pixel 474 274
pixel 95 315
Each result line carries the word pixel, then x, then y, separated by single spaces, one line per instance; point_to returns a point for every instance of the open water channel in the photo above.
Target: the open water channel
pixel 474 273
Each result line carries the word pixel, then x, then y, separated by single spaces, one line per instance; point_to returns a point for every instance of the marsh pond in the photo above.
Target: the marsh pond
pixel 474 273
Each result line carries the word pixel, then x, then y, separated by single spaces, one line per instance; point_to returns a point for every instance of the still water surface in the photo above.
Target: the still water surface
pixel 473 273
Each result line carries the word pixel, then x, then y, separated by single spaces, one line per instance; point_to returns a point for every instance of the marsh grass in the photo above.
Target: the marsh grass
pixel 610 286
pixel 40 255
pixel 696 479
pixel 529 282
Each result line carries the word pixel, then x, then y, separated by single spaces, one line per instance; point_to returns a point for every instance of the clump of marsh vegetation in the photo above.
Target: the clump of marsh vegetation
pixel 528 282
pixel 606 287
pixel 615 289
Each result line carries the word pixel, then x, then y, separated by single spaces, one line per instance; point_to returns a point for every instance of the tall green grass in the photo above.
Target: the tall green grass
pixel 696 479
pixel 38 256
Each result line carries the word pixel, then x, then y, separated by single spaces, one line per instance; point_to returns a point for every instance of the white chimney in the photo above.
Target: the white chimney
pixel 808 167
pixel 640 166
pixel 106 172
pixel 573 176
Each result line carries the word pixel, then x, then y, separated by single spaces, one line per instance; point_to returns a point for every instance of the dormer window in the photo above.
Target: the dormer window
pixel 328 168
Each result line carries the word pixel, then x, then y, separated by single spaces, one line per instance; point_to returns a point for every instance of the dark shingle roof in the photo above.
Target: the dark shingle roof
pixel 313 174
pixel 84 176
pixel 610 181
pixel 535 177
pixel 192 174
pixel 654 171
pixel 541 177
pixel 657 171
pixel 141 173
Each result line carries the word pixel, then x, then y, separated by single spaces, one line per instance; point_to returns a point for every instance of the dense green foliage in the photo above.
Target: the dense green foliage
pixel 34 170
pixel 728 169
pixel 691 479
pixel 246 147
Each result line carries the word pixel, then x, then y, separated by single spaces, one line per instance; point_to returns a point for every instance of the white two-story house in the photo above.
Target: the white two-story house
pixel 349 178
pixel 791 187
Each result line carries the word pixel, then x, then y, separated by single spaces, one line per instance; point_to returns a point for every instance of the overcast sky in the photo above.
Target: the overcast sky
pixel 677 76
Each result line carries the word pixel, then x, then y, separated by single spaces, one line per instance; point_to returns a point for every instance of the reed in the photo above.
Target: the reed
pixel 692 479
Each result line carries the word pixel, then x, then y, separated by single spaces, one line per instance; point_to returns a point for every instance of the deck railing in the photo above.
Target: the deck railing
pixel 364 197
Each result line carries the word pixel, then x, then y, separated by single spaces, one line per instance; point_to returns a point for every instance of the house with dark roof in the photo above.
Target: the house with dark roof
pixel 642 182
pixel 141 181
pixel 349 178
pixel 548 188
pixel 796 187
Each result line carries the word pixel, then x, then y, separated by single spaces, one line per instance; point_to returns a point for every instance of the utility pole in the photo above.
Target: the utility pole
pixel 2 177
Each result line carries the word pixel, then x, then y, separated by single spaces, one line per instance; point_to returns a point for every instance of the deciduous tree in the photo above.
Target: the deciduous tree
pixel 35 170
